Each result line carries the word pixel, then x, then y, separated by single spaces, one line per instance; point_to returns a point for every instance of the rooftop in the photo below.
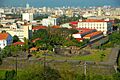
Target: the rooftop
pixel 36 40
pixel 84 30
pixel 18 43
pixel 96 20
pixel 74 22
pixel 39 27
pixel 79 39
pixel 93 34
pixel 56 26
pixel 3 36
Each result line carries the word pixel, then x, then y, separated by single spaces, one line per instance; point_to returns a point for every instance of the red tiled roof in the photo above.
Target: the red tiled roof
pixel 55 26
pixel 33 49
pixel 95 20
pixel 39 27
pixel 3 36
pixel 18 43
pixel 84 30
pixel 36 39
pixel 74 22
pixel 79 39
pixel 93 34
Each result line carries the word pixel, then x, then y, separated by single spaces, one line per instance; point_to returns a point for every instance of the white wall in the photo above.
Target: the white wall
pixel 3 43
pixel 27 16
pixel 99 26
pixel 49 21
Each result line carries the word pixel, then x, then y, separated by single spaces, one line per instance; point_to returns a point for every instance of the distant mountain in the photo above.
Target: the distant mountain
pixel 59 3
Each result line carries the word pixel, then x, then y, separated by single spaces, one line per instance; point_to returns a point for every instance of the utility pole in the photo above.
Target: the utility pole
pixel 16 65
pixel 85 68
pixel 44 67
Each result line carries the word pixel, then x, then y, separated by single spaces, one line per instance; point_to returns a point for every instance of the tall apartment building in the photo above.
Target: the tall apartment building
pixel 100 25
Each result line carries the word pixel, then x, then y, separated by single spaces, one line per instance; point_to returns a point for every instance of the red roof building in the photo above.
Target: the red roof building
pixel 39 27
pixel 18 43
pixel 96 20
pixel 5 40
pixel 74 22
pixel 56 26
pixel 3 36
pixel 79 39
pixel 36 40
pixel 93 34
pixel 99 24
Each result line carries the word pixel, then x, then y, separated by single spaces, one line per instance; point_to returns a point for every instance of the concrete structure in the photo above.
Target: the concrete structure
pixel 50 21
pixel 66 25
pixel 25 31
pixel 83 32
pixel 27 16
pixel 100 25
pixel 5 39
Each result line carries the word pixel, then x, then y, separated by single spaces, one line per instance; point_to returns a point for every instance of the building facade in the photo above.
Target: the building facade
pixel 50 21
pixel 5 39
pixel 27 16
pixel 100 25
pixel 24 32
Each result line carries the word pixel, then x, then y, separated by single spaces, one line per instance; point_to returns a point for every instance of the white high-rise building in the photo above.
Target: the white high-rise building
pixel 27 16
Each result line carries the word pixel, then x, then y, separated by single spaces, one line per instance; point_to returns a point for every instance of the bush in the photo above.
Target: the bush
pixel 10 75
pixel 39 73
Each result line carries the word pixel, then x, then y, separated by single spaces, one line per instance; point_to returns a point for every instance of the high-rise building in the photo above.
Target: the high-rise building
pixel 27 16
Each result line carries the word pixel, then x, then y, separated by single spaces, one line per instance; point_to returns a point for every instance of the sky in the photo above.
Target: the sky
pixel 60 3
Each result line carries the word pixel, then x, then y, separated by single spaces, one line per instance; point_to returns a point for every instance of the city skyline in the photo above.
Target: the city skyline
pixel 59 3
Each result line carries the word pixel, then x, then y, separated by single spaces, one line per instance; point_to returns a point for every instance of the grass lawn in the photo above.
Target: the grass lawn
pixel 94 56
pixel 2 74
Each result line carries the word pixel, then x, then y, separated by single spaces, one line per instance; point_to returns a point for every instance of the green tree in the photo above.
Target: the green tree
pixel 6 52
pixel 116 76
pixel 10 75
pixel 15 39
pixel 0 61
pixel 42 33
pixel 3 31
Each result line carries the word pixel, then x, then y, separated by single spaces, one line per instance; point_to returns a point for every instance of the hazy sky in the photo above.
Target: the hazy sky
pixel 57 3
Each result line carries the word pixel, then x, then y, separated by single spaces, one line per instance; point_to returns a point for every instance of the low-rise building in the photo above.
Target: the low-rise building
pixel 50 21
pixel 94 36
pixel 83 32
pixel 5 39
pixel 24 31
pixel 100 25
